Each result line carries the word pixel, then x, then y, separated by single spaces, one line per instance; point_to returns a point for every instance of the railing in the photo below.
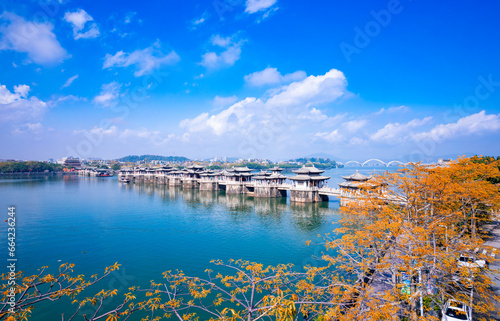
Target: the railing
pixel 269 184
pixel 330 190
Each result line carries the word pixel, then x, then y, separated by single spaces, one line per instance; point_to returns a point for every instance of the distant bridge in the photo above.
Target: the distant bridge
pixel 362 164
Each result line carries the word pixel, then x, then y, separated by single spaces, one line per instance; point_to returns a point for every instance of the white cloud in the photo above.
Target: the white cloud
pixel 78 20
pixel 15 106
pixel 396 132
pixel 357 141
pixel 267 14
pixel 126 135
pixel 93 32
pixel 109 93
pixel 473 124
pixel 217 40
pixel 33 128
pixel 253 6
pixel 272 124
pixel 232 118
pixel 69 81
pixel 144 60
pixel 220 101
pixel 129 17
pixel 331 137
pixel 199 21
pixel 155 136
pixel 286 107
pixel 35 39
pixel 226 58
pixel 22 90
pixel 311 91
pixel 55 100
pixel 354 125
pixel 271 76
pixel 99 131
pixel 335 120
pixel 314 115
pixel 7 97
pixel 212 60
pixel 392 110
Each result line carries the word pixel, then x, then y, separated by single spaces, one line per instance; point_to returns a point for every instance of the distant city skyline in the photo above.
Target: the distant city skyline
pixel 262 79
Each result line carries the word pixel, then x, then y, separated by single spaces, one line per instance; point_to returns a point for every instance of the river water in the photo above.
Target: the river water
pixel 95 222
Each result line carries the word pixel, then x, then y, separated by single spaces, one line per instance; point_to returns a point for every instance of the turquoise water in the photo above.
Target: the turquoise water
pixel 94 222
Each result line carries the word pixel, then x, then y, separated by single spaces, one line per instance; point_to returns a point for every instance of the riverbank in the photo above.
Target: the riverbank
pixel 17 174
pixel 492 238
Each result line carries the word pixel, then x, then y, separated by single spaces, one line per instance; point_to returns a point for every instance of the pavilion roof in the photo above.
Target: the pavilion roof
pixel 165 169
pixel 239 169
pixel 356 184
pixel 357 177
pixel 195 167
pixel 305 177
pixel 270 177
pixel 241 174
pixel 308 170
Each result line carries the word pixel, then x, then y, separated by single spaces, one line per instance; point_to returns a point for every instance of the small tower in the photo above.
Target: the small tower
pixel 210 180
pixel 352 182
pixel 267 184
pixel 306 185
pixel 237 179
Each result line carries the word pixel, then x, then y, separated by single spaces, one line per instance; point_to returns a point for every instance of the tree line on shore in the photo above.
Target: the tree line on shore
pixel 29 166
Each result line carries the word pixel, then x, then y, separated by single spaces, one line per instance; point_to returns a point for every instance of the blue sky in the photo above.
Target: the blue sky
pixel 249 78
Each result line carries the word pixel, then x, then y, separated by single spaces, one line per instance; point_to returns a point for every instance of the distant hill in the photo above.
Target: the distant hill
pixel 135 158
pixel 319 162
pixel 325 155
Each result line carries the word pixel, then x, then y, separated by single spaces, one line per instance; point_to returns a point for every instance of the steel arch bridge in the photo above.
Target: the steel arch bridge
pixel 362 164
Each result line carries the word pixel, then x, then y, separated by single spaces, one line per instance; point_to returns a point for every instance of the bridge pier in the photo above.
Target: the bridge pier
pixel 175 181
pixel 307 196
pixel 161 180
pixel 189 183
pixel 268 191
pixel 209 186
pixel 236 188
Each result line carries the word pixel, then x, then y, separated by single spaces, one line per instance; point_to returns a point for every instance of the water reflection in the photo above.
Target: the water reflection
pixel 27 179
pixel 270 211
pixel 312 216
pixel 307 217
pixel 71 181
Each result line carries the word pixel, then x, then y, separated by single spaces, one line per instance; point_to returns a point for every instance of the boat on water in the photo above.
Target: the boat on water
pixel 103 175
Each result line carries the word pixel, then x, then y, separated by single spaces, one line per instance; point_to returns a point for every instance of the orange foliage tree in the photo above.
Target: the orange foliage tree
pixel 414 242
